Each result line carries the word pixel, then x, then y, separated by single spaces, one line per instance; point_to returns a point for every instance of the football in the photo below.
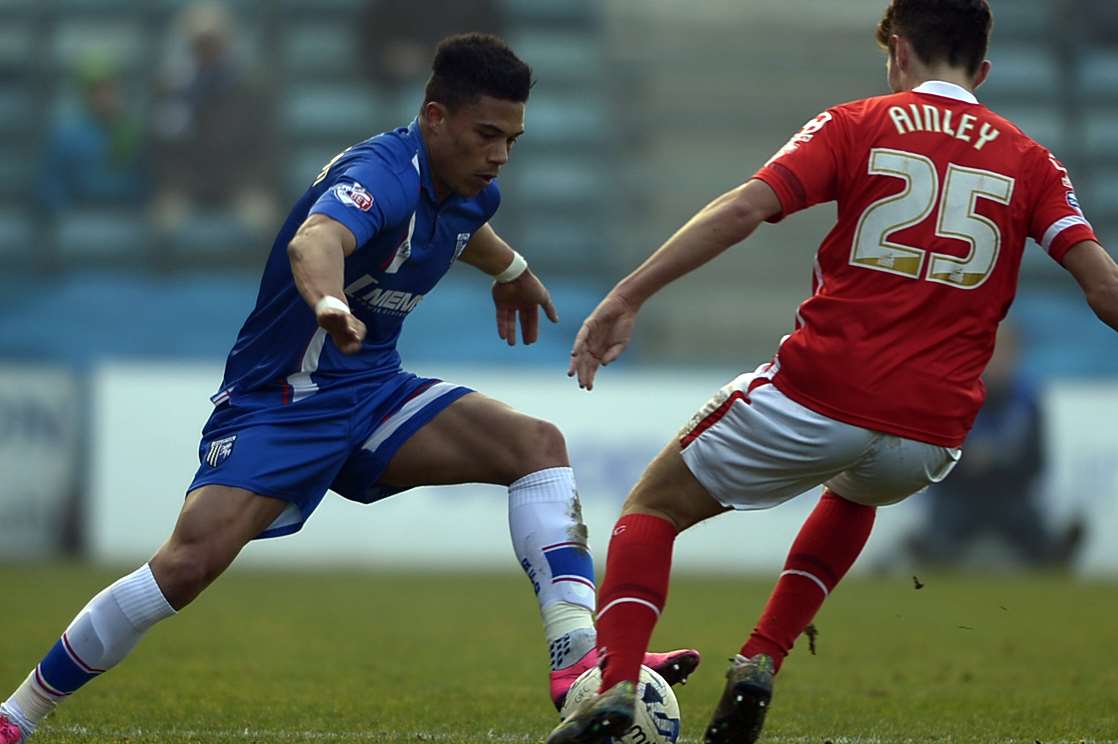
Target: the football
pixel 657 719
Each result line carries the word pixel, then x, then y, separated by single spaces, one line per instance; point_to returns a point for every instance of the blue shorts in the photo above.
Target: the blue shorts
pixel 340 438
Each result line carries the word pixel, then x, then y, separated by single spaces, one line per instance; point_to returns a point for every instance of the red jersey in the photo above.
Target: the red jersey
pixel 936 196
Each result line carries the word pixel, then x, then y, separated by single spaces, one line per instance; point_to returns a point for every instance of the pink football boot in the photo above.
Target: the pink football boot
pixel 674 666
pixel 10 733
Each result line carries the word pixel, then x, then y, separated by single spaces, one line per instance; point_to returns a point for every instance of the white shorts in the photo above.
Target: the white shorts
pixel 752 447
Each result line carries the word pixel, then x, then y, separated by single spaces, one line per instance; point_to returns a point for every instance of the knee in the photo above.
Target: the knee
pixel 537 445
pixel 183 571
pixel 549 443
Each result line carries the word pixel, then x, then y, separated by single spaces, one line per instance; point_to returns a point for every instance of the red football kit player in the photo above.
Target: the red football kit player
pixel 876 388
pixel 936 195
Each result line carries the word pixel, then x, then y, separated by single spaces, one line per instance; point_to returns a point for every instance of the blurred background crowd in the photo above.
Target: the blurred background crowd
pixel 149 150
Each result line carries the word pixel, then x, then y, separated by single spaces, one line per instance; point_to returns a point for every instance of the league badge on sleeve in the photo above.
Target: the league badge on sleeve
pixel 219 451
pixel 354 195
pixel 1073 202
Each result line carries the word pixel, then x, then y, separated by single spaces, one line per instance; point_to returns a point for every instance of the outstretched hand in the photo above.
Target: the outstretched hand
pixel 602 338
pixel 345 329
pixel 525 295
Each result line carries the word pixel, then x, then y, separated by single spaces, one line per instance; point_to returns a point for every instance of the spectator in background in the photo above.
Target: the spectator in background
pixel 995 490
pixel 400 35
pixel 95 154
pixel 214 128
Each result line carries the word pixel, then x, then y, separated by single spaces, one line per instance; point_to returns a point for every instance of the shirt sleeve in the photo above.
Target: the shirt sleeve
pixel 805 171
pixel 366 198
pixel 1057 222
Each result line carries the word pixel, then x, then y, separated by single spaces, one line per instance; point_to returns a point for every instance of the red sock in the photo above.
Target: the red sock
pixel 824 550
pixel 633 593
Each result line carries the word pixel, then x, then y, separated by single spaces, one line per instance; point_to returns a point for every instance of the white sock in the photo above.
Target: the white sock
pixel 549 537
pixel 99 638
pixel 570 633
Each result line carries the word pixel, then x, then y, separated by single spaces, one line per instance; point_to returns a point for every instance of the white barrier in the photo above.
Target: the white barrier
pixel 1082 445
pixel 148 417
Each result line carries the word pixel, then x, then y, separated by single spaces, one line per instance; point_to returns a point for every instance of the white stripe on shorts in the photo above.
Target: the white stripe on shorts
pixel 409 409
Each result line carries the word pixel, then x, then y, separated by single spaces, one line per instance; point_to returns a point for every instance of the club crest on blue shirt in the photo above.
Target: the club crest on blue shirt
pixel 354 195
pixel 220 449
pixel 463 239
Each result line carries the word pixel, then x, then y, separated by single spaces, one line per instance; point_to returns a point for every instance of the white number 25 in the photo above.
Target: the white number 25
pixel 958 218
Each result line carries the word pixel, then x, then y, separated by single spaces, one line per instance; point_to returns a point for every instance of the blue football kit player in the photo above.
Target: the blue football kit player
pixel 314 396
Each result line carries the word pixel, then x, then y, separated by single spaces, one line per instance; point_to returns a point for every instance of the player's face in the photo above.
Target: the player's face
pixel 468 147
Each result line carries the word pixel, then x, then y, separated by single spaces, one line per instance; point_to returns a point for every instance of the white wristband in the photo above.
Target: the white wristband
pixel 514 270
pixel 331 303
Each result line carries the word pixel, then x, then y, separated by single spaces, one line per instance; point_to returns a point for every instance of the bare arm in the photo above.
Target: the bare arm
pixel 522 296
pixel 726 221
pixel 317 254
pixel 487 251
pixel 1097 275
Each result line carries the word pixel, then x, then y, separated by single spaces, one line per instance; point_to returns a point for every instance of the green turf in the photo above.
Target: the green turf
pixel 381 657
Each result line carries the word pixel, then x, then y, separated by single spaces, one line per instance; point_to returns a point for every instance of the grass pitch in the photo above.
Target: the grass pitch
pixel 351 656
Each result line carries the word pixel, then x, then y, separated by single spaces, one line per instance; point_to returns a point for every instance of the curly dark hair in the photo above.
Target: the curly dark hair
pixel 953 31
pixel 469 66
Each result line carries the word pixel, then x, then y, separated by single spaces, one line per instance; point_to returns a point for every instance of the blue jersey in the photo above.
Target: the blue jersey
pixel 381 189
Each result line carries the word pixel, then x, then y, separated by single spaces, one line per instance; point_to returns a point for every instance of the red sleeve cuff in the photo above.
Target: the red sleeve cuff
pixel 788 189
pixel 1068 239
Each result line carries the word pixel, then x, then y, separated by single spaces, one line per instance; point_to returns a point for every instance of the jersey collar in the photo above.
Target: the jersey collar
pixel 424 166
pixel 946 90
